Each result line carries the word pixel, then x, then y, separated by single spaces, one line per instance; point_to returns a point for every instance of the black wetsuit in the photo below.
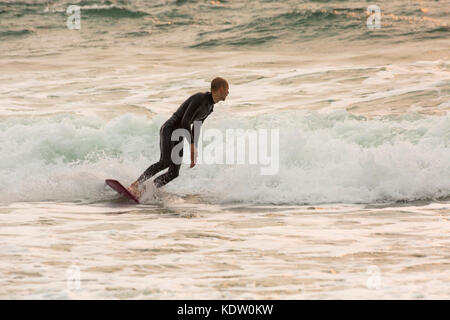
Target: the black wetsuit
pixel 196 108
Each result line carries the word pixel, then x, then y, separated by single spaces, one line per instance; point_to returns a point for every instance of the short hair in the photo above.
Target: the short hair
pixel 218 83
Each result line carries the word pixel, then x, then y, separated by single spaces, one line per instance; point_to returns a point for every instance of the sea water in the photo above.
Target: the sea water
pixel 358 207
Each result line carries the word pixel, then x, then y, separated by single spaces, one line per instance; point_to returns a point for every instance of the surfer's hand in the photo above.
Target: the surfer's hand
pixel 193 155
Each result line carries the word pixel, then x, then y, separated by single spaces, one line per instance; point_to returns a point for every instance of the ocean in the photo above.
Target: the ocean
pixel 357 208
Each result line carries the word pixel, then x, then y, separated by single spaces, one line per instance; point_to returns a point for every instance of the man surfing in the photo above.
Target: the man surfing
pixel 196 108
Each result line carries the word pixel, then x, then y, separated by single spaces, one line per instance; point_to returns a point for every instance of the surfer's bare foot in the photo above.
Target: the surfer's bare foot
pixel 137 189
pixel 134 189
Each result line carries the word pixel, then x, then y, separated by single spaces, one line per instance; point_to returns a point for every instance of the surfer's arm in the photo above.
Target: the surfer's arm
pixel 189 116
pixel 195 134
pixel 195 131
pixel 186 121
pixel 193 155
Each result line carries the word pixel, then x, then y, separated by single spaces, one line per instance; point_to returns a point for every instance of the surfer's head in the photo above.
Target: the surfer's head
pixel 219 89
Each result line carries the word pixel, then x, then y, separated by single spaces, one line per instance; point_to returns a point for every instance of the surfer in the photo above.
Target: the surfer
pixel 196 108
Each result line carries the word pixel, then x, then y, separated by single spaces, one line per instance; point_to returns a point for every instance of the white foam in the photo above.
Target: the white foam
pixel 324 157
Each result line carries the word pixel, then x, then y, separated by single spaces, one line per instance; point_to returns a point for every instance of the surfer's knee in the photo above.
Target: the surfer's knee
pixel 174 171
pixel 165 163
pixel 175 174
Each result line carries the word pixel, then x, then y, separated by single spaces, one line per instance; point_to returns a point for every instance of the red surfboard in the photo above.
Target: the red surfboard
pixel 118 187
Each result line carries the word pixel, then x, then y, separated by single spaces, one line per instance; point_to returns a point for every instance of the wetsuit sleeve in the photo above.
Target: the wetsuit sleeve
pixel 195 132
pixel 189 115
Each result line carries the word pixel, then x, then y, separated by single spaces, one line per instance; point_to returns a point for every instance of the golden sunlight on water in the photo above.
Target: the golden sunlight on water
pixel 259 252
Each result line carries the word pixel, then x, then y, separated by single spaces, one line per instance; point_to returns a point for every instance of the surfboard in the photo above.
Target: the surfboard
pixel 119 188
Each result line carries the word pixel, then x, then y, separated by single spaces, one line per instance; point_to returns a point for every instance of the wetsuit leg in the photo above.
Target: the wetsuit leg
pixel 165 145
pixel 174 169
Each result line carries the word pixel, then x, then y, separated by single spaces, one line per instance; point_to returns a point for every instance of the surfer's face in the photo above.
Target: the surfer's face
pixel 223 93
